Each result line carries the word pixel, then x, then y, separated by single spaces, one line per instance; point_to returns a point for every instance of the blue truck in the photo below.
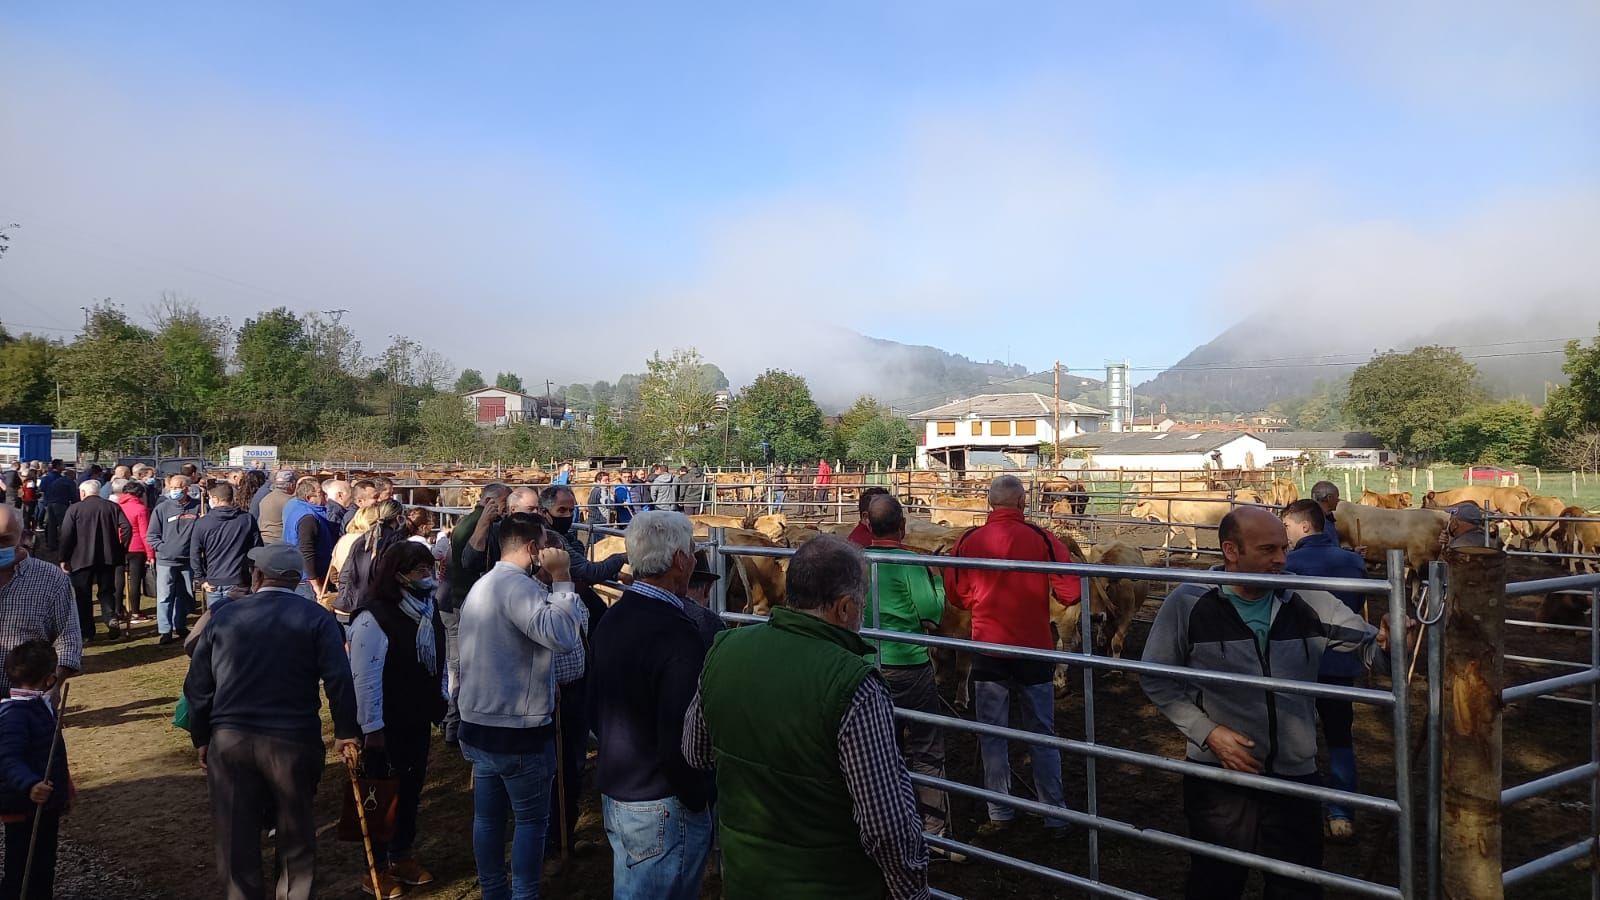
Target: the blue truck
pixel 24 443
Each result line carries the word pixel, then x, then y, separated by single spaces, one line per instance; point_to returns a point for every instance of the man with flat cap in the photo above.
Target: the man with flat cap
pixel 255 719
pixel 1466 528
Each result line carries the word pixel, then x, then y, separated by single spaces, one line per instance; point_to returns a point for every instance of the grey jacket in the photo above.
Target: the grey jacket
pixel 511 627
pixel 1198 628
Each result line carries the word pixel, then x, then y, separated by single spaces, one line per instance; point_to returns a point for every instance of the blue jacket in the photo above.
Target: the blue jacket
pixel 26 727
pixel 257 665
pixel 1329 529
pixel 1319 555
pixel 318 553
pixel 218 546
pixel 622 499
pixel 171 525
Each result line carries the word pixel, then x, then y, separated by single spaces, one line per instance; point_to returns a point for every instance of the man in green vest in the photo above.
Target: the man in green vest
pixel 791 775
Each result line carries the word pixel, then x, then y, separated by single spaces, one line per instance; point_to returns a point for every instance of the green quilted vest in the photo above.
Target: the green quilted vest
pixel 773 697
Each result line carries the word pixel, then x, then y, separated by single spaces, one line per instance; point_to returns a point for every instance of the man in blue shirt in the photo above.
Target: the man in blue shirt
pixel 1317 554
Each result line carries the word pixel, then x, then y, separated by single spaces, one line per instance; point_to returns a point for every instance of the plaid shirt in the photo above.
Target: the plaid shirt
pixel 38 605
pixel 569 667
pixel 881 797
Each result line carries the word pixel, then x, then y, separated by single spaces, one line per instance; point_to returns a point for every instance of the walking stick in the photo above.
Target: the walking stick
pixel 38 814
pixel 561 779
pixel 361 816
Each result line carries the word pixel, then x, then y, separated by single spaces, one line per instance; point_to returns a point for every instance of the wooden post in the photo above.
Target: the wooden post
pixel 1413 476
pixel 1474 675
pixel 1346 494
pixel 1538 479
pixel 1430 479
pixel 1574 486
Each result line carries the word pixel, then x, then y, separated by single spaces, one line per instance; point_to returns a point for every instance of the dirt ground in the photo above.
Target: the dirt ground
pixel 142 801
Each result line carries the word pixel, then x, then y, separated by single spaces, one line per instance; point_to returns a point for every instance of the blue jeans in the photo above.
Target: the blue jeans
pixel 1038 705
pixel 174 597
pixel 658 849
pixel 518 783
pixel 777 502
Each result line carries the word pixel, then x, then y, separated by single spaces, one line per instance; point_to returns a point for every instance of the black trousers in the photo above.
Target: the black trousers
pixel 130 575
pixel 922 745
pixel 85 582
pixel 405 757
pixel 245 772
pixel 54 513
pixel 569 758
pixel 41 883
pixel 1275 825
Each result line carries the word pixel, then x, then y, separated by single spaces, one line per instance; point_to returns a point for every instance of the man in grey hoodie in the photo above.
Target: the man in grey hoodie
pixel 1279 633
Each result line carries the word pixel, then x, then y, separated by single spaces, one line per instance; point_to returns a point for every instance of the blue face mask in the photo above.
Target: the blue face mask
pixel 424 585
pixel 175 494
pixel 8 557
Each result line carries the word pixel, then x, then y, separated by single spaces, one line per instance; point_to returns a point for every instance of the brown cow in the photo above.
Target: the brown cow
pixel 1113 604
pixel 1507 500
pixel 1415 531
pixel 1197 508
pixel 1401 500
pixel 1579 536
pixel 1283 492
pixel 1531 533
pixel 960 512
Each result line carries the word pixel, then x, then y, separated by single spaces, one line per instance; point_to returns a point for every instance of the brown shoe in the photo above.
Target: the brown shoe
pixel 388 888
pixel 410 873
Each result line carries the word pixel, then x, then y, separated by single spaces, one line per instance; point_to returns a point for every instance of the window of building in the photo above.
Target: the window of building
pixel 1000 429
pixel 977 428
pixel 1027 428
pixel 945 428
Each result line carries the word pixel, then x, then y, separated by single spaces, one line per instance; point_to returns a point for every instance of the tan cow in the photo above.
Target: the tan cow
pixel 755 584
pixel 1578 536
pixel 772 526
pixel 1507 500
pixel 1196 508
pixel 1531 534
pixel 1283 492
pixel 960 512
pixel 1113 604
pixel 1415 531
pixel 1401 500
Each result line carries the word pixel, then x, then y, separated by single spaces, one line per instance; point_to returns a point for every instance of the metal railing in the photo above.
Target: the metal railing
pixel 1092 751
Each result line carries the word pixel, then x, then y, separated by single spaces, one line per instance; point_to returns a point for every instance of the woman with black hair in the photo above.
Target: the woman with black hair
pixel 397 658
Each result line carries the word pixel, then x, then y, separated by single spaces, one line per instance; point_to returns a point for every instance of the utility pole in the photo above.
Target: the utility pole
pixel 1055 437
pixel 548 384
pixel 336 315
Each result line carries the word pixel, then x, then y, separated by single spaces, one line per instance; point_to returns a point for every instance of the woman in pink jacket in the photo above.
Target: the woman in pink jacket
pixel 131 573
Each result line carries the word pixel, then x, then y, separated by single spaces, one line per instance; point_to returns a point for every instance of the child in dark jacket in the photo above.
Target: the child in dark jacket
pixel 27 791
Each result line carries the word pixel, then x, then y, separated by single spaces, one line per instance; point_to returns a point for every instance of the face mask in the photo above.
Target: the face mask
pixel 8 557
pixel 561 524
pixel 175 494
pixel 425 585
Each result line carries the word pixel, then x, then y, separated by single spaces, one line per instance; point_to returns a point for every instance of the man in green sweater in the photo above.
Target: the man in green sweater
pixel 908 597
pixel 814 800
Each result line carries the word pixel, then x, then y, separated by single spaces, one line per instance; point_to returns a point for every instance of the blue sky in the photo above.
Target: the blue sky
pixel 1082 181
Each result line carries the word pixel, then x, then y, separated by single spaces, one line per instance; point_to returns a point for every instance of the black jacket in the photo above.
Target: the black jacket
pixel 218 545
pixel 645 670
pixel 94 532
pixel 26 730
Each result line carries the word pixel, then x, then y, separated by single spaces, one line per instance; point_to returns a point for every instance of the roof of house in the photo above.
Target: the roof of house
pixel 1007 406
pixel 1321 440
pixel 1135 442
pixel 497 390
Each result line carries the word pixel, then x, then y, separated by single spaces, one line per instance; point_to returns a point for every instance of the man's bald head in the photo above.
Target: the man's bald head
pixel 523 500
pixel 1007 492
pixel 1253 540
pixel 10 525
pixel 886 517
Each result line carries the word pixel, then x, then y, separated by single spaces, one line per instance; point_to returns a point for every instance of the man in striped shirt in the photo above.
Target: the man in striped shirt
pixel 814 799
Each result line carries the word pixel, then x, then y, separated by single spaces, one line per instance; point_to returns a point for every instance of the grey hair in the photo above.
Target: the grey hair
pixel 494 489
pixel 824 569
pixel 1006 490
pixel 1324 491
pixel 653 538
pixel 91 486
pixel 117 484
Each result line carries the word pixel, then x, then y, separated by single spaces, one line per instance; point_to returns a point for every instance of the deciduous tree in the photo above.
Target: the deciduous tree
pixel 470 380
pixel 1407 399
pixel 508 381
pixel 1574 408
pixel 777 407
pixel 108 380
pixel 1502 434
pixel 674 399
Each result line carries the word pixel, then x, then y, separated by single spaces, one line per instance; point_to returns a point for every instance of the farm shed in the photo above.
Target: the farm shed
pixel 1012 424
pixel 1339 449
pixel 1171 450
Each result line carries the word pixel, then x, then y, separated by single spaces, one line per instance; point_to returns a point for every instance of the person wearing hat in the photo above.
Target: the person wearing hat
pixel 701 582
pixel 1466 528
pixel 268 508
pixel 256 723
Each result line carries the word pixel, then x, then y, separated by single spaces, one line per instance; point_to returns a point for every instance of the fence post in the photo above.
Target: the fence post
pixel 719 566
pixel 1474 676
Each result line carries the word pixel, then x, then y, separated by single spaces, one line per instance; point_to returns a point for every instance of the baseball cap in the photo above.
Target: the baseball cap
pixel 284 476
pixel 1467 511
pixel 277 561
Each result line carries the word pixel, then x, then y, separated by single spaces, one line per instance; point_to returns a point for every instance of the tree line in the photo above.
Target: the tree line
pixel 1430 404
pixel 306 383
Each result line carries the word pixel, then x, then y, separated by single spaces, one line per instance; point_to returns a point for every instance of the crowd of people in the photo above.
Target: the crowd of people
pixel 492 633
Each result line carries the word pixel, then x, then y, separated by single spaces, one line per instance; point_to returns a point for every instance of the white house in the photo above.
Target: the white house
pixel 497 406
pixel 1171 450
pixel 1010 424
pixel 1337 449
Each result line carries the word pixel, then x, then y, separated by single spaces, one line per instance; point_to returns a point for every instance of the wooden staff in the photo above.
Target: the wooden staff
pixel 350 764
pixel 38 813
pixel 561 779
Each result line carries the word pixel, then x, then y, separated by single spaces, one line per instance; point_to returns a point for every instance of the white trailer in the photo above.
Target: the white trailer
pixel 253 456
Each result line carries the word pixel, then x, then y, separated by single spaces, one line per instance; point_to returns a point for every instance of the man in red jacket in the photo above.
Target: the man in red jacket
pixel 1013 608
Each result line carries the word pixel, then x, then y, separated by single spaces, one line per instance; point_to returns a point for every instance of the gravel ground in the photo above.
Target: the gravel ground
pixel 81 876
